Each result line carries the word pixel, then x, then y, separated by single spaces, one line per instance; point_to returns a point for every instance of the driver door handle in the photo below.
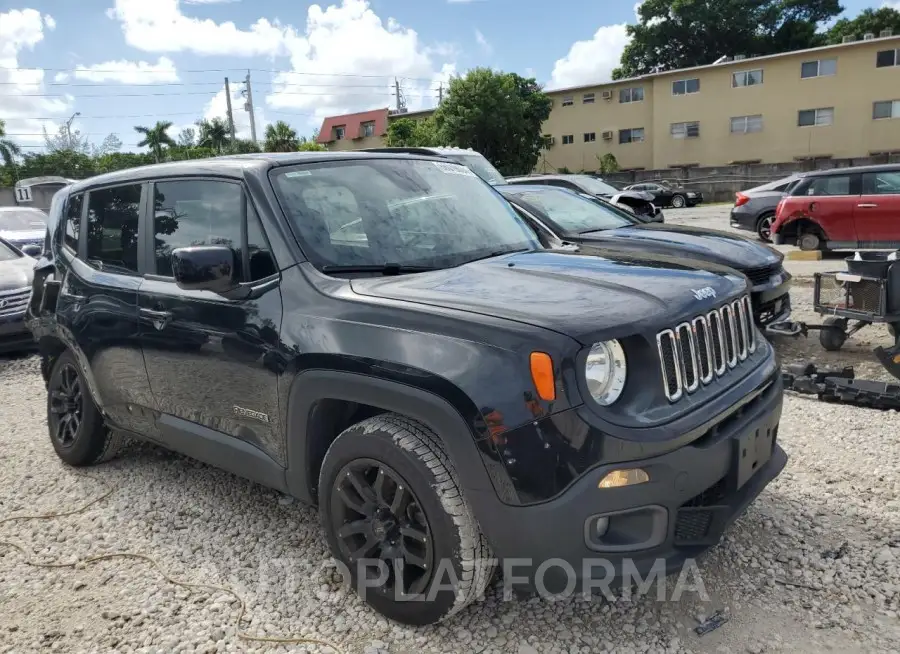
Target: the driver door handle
pixel 156 315
pixel 867 205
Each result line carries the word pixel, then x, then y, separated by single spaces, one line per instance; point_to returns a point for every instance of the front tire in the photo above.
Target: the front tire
pixel 389 493
pixel 678 201
pixel 77 430
pixel 764 227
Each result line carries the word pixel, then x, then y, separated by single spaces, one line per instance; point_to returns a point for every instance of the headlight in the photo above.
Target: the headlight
pixel 605 371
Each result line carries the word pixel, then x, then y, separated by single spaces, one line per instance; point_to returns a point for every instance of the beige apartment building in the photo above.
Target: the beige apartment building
pixel 839 101
pixel 836 101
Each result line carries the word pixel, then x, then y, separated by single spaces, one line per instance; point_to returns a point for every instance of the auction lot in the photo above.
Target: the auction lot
pixel 813 566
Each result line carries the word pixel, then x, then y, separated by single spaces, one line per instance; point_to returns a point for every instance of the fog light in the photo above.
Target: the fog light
pixel 601 526
pixel 628 477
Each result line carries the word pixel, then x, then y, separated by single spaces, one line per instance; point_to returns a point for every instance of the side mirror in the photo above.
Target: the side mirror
pixel 205 268
pixel 32 250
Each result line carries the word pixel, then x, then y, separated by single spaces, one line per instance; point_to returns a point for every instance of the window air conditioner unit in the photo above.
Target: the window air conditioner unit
pixel 868 36
pixel 549 141
pixel 740 57
pixel 607 135
pixel 606 95
pixel 886 33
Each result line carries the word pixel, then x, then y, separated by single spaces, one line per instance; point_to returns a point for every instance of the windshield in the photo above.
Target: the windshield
pixel 406 212
pixel 572 212
pixel 595 186
pixel 7 253
pixel 19 220
pixel 480 166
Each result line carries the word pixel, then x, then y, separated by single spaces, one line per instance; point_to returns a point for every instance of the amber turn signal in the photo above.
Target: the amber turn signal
pixel 542 375
pixel 628 477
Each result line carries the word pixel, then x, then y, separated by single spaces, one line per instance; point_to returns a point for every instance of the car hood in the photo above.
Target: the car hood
pixel 586 297
pixel 23 235
pixel 16 274
pixel 676 240
pixel 640 195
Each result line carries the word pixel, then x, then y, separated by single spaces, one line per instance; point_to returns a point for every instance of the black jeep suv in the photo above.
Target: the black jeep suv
pixel 383 336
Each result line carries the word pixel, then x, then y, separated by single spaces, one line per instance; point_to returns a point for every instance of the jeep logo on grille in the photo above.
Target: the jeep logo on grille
pixel 704 293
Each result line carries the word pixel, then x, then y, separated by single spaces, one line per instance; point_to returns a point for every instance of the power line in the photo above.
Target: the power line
pixel 157 95
pixel 214 70
pixel 219 84
pixel 153 115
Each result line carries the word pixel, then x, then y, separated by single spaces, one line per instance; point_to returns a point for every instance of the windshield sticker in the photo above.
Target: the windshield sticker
pixel 298 173
pixel 453 169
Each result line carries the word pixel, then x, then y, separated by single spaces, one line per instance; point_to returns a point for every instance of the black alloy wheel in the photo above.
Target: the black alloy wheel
pixel 66 406
pixel 379 518
pixel 764 227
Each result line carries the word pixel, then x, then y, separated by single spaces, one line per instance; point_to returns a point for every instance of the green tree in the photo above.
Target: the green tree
pixel 667 35
pixel 187 138
pixel 310 144
pixel 281 137
pixel 241 146
pixel 497 114
pixel 214 134
pixel 409 132
pixel 608 163
pixel 156 138
pixel 869 21
pixel 8 149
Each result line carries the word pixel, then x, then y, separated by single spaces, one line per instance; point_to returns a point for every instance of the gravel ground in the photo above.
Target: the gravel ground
pixel 813 566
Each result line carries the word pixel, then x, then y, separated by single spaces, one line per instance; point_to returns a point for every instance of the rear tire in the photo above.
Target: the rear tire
pixel 388 492
pixel 809 241
pixel 77 430
pixel 678 201
pixel 764 227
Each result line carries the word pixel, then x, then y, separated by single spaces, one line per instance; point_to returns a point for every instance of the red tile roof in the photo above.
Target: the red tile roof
pixel 351 124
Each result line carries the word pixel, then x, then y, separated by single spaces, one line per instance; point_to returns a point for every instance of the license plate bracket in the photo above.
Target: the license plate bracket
pixel 752 450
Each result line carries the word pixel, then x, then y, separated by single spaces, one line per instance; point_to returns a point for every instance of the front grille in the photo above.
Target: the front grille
pixel 13 302
pixel 696 351
pixel 692 526
pixel 761 275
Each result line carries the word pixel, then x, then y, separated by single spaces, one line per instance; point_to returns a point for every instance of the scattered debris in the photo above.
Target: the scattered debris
pixel 839 553
pixel 712 623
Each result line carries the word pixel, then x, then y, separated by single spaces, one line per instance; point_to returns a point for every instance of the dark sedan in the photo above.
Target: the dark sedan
pixel 564 219
pixel 16 272
pixel 637 202
pixel 665 195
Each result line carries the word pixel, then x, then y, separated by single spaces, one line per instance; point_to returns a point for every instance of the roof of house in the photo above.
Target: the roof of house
pixel 351 124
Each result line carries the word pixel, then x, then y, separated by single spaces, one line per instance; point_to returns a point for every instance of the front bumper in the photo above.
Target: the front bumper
pixel 772 301
pixel 694 201
pixel 14 334
pixel 694 493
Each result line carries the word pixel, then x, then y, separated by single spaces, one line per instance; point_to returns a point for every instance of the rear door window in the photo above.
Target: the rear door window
pixel 112 228
pixel 883 183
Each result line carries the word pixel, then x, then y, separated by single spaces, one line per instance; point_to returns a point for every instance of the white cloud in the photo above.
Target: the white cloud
pixel 892 4
pixel 591 61
pixel 218 108
pixel 209 2
pixel 160 26
pixel 364 54
pixel 49 22
pixel 483 42
pixel 21 110
pixel 61 78
pixel 130 72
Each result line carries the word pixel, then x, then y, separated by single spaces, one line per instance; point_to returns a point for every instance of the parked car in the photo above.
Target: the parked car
pixel 665 195
pixel 16 269
pixel 572 219
pixel 754 209
pixel 447 391
pixel 639 202
pixel 842 209
pixel 24 227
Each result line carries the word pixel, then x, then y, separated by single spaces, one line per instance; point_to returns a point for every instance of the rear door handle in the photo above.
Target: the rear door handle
pixel 867 205
pixel 156 315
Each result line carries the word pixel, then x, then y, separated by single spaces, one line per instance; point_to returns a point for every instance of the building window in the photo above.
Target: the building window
pixel 818 68
pixel 339 133
pixel 368 129
pixel 568 101
pixel 746 124
pixel 747 78
pixel 686 86
pixel 590 137
pixel 633 135
pixel 588 98
pixel 815 117
pixel 568 139
pixel 887 58
pixel 886 109
pixel 635 94
pixel 685 130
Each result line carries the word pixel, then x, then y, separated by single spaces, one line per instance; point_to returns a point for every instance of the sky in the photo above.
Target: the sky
pixel 121 63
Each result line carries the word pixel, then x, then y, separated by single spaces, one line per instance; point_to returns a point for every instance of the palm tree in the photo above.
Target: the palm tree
pixel 8 149
pixel 280 137
pixel 155 138
pixel 214 134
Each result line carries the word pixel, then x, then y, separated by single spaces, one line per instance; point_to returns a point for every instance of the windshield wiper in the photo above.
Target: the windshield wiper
pixel 496 253
pixel 383 268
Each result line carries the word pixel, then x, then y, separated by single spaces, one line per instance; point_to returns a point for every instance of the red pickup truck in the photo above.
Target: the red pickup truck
pixel 842 209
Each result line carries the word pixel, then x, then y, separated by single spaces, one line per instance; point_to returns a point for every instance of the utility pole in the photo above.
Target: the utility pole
pixel 230 114
pixel 248 107
pixel 441 93
pixel 397 92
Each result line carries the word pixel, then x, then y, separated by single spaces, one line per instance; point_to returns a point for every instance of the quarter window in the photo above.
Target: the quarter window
pixel 829 185
pixel 886 109
pixel 747 78
pixel 685 130
pixel 815 117
pixel 818 68
pixel 633 135
pixel 73 221
pixel 686 86
pixel 112 228
pixel 887 58
pixel 746 124
pixel 635 94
